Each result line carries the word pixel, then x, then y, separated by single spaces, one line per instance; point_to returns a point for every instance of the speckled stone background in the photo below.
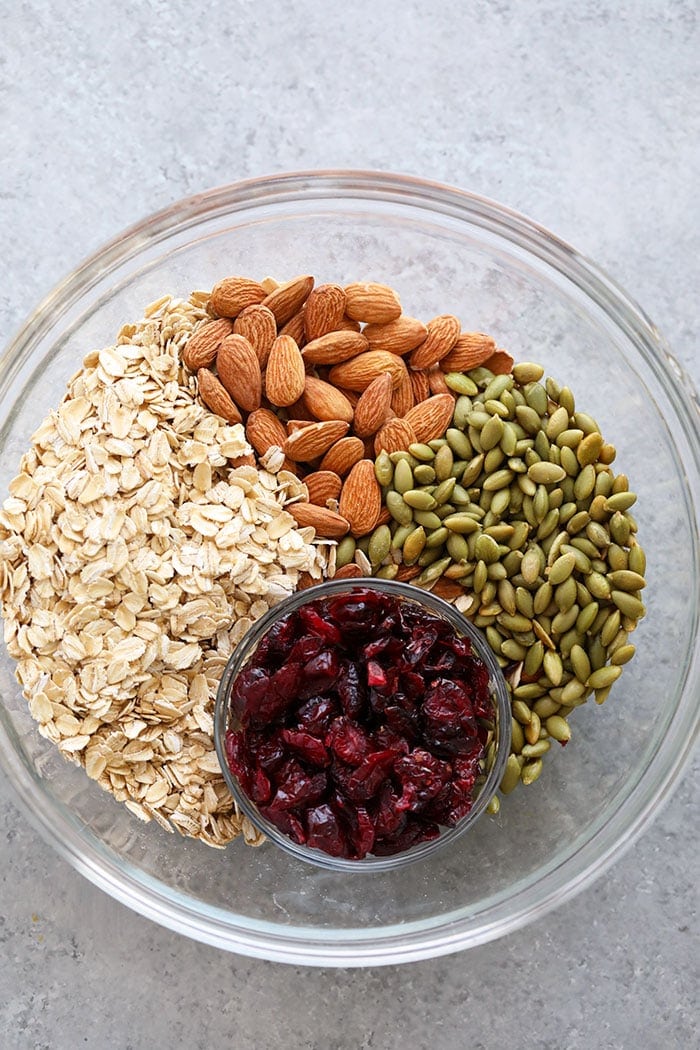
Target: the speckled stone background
pixel 584 116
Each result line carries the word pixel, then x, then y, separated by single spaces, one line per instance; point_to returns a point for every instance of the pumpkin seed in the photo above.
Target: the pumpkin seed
pixel 387 572
pixel 628 604
pixel 461 384
pixel 626 580
pixel 620 501
pixel 535 750
pixel 443 463
pixel 637 560
pixel 604 677
pixel 580 663
pixel 622 655
pixel 403 477
pixel 527 372
pixel 531 771
pixel 562 568
pixel 345 552
pixel 383 468
pixel 588 449
pixel 462 523
pixel 558 728
pixel 413 545
pixel 511 775
pixel 491 433
pixel 419 499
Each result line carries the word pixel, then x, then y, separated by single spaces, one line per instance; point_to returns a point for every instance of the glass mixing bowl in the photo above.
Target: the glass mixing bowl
pixel 485 788
pixel 443 250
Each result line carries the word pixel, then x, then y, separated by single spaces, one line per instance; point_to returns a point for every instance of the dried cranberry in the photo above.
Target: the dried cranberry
pixel 422 777
pixel 348 741
pixel 351 690
pixel 325 832
pixel 306 746
pixel 316 714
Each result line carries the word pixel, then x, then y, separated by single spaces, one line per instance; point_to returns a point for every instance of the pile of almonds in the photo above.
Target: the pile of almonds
pixel 331 376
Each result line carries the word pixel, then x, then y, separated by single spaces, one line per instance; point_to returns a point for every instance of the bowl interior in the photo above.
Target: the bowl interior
pixel 443 252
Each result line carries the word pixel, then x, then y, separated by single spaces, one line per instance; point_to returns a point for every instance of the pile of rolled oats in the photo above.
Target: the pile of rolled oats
pixel 138 544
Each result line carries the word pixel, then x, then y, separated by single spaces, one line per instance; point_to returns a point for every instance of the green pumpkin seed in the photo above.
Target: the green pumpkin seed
pixel 617 559
pixel 637 560
pixel 419 499
pixel 620 501
pixel 443 463
pixel 588 450
pixel 457 546
pixel 345 552
pixel 553 667
pixel 557 423
pixel 521 711
pixel 569 438
pixel 572 691
pixel 580 663
pixel 622 655
pixel 603 483
pixel 422 452
pixel 486 548
pixel 543 597
pixel 626 580
pixel 516 622
pixel 585 482
pixel 496 387
pixel 413 545
pixel 628 604
pixel 480 576
pixel 536 397
pixel 535 750
pixel 545 706
pixel 403 477
pixel 379 545
pixel 461 383
pixel 400 535
pixel 565 620
pixel 424 474
pixel 491 433
pixel 472 470
pixel 562 568
pixel 399 510
pixel 511 775
pixel 558 728
pixel 461 523
pixel 527 372
pixel 383 468
pixel 463 407
pixel 433 572
pixel 540 504
pixel 531 771
pixel 566 399
pixel 604 677
pixel 387 572
pixel 598 585
pixel 444 491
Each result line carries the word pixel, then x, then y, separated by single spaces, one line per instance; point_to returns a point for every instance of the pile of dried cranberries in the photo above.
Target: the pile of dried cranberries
pixel 362 724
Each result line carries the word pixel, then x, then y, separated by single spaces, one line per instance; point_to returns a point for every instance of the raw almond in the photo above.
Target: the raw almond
pixel 326 523
pixel 297 424
pixel 324 310
pixel 402 399
pixel 325 401
pixel 443 333
pixel 397 337
pixel 286 300
pixel 238 369
pixel 407 572
pixel 374 406
pixel 420 385
pixel 201 348
pixel 359 372
pixel 259 327
pixel 315 439
pixel 230 296
pixel 343 455
pixel 348 325
pixel 447 589
pixel 361 498
pixel 436 381
pixel 323 485
pixel 349 572
pixel 263 430
pixel 470 351
pixel 215 396
pixel 299 411
pixel 285 375
pixel 431 418
pixel 334 347
pixel 373 303
pixel 394 436
pixel 500 363
pixel 295 327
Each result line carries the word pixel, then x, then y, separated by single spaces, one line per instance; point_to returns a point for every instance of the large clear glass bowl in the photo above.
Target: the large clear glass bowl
pixel 444 250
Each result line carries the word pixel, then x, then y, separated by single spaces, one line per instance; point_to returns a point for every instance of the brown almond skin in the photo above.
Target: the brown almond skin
pixel 314 440
pixel 361 498
pixel 296 327
pixel 325 401
pixel 359 372
pixel 348 572
pixel 443 333
pixel 397 337
pixel 421 387
pixel 334 347
pixel 436 381
pixel 259 327
pixel 202 347
pixel 285 375
pixel 394 436
pixel 402 399
pixel 431 418
pixel 500 363
pixel 286 300
pixel 324 311
pixel 263 430
pixel 238 368
pixel 322 485
pixel 342 456
pixel 216 398
pixel 231 295
pixel 374 406
pixel 372 303
pixel 326 522
pixel 470 350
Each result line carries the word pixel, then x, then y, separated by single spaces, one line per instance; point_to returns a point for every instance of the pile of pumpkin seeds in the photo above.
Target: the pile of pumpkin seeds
pixel 518 504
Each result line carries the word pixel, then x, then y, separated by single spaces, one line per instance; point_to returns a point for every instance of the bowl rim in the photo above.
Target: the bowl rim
pixel 438 607
pixel 606 840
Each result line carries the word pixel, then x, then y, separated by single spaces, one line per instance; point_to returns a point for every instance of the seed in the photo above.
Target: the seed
pixel 400 535
pixel 461 384
pixel 419 499
pixel 433 572
pixel 569 438
pixel 511 775
pixel 345 552
pixel 428 557
pixel 462 523
pixel 604 677
pixel 491 433
pixel 396 457
pixel 399 510
pixel 566 399
pixel 513 650
pixel 588 449
pixel 527 372
pixel 443 463
pixel 626 580
pixel 497 386
pixel 543 597
pixel 424 474
pixel 403 477
pixel 379 545
pixel 531 771
pixel 619 526
pixel 546 473
pixel 597 509
pixel 598 585
pixel 628 604
pixel 486 547
pixel 622 655
pixel 437 538
pixel 617 559
pixel 427 518
pixel 562 568
pixel 459 443
pixel 420 451
pixel 601 695
pixel 472 470
pixel 524 603
pixel 603 483
pixel 494 806
pixel 521 711
pixel 463 407
pixel 553 667
pixel 383 468
pixel 607 453
pixel 517 737
pixel 580 663
pixel 387 572
pixel 585 482
pixel 444 490
pixel 557 423
pixel 535 750
pixel 509 440
pixel 637 559
pixel 516 622
pixel 572 691
pixel 498 480
pixel 413 545
pixel 558 728
pixel 531 565
pixel 480 576
pixel 457 547
pixel 548 525
pixel 620 501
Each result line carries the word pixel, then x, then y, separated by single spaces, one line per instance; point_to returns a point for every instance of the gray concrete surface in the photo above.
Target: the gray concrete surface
pixel 586 117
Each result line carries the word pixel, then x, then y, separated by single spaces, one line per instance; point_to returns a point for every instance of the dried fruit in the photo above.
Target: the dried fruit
pixel 324 310
pixel 430 419
pixel 374 406
pixel 325 401
pixel 397 337
pixel 359 372
pixel 285 375
pixel 326 523
pixel 215 396
pixel 259 327
pixel 361 498
pixel 313 440
pixel 373 303
pixel 230 296
pixel 288 298
pixel 201 348
pixel 238 368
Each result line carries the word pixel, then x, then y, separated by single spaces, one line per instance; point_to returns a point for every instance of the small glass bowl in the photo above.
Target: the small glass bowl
pixel 484 789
